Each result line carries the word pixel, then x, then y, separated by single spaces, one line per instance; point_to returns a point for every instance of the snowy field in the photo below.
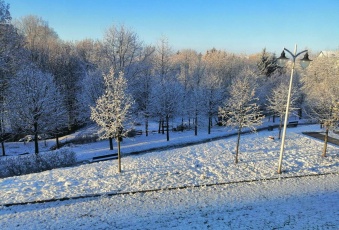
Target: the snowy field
pixel 310 202
pixel 303 203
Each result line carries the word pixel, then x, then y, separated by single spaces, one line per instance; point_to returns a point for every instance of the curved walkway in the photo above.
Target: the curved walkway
pixel 321 137
pixel 114 156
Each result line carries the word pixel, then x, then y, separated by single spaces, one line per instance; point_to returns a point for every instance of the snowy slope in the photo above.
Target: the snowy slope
pixel 305 202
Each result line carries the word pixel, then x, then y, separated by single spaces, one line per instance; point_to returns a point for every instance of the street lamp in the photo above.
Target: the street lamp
pixel 282 60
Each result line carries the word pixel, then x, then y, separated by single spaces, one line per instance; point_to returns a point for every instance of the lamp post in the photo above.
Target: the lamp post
pixel 282 60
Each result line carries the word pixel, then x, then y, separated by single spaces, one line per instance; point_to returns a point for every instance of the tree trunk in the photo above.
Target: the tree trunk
pixel 280 127
pixel 57 141
pixel 196 124
pixel 325 143
pixel 209 124
pixel 163 127
pixel 146 126
pixel 300 113
pixel 119 156
pixel 182 124
pixel 110 143
pixel 36 144
pixel 2 138
pixel 167 124
pixel 237 149
pixel 3 148
pixel 159 129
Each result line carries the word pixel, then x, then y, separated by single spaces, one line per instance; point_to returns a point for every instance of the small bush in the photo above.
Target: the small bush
pixel 32 163
pixel 85 139
pixel 181 127
pixel 131 133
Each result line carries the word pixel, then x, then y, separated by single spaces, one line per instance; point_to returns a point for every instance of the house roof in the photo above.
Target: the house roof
pixel 329 53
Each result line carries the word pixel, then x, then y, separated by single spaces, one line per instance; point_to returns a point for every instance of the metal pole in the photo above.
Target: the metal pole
pixel 287 111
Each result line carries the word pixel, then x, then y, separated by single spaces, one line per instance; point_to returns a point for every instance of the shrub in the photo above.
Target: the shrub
pixel 32 163
pixel 181 127
pixel 85 139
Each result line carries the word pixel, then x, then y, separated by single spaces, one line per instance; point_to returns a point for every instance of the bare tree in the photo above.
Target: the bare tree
pixel 143 84
pixel 112 110
pixel 277 101
pixel 39 38
pixel 225 66
pixel 166 93
pixel 184 66
pixel 197 105
pixel 322 93
pixel 121 48
pixel 240 110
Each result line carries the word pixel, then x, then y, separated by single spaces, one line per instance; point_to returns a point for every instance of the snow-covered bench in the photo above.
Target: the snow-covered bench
pixel 292 124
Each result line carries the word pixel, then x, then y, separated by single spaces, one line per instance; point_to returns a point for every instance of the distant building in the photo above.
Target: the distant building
pixel 333 54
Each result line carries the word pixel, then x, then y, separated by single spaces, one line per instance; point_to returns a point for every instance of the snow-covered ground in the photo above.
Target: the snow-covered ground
pixel 302 203
pixel 310 202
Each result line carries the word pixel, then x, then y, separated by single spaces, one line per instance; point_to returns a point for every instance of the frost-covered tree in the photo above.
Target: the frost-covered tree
pixel 92 84
pixel 225 66
pixel 165 97
pixel 87 51
pixel 185 64
pixel 197 97
pixel 66 67
pixel 221 68
pixel 142 86
pixel 12 55
pixel 321 84
pixel 240 110
pixel 278 99
pixel 92 87
pixel 59 58
pixel 112 110
pixel 167 90
pixel 213 97
pixel 34 103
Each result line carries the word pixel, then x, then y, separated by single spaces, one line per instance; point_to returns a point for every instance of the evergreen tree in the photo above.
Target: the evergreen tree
pixel 267 64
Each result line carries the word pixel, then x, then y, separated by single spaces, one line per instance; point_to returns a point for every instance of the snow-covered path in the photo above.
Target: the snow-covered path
pixel 298 203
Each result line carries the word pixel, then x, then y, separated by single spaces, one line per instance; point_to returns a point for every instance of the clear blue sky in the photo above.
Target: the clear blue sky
pixel 240 26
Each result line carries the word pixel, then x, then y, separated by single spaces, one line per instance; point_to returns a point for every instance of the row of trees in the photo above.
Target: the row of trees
pixel 49 85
